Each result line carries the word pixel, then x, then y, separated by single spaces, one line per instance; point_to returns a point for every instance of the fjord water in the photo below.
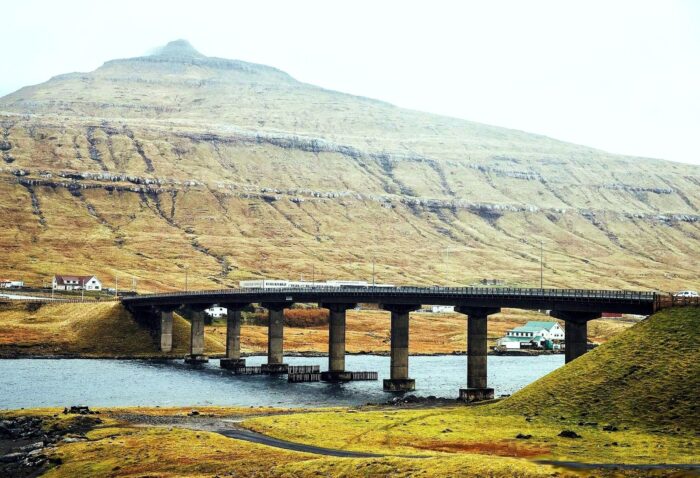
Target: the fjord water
pixel 64 382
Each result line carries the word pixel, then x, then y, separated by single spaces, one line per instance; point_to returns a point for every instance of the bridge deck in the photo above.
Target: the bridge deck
pixel 633 302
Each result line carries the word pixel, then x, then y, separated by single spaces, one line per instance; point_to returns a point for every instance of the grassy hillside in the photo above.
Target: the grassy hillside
pixel 102 329
pixel 647 376
pixel 105 329
pixel 237 171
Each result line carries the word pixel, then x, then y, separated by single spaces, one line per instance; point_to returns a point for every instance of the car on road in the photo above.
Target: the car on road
pixel 686 293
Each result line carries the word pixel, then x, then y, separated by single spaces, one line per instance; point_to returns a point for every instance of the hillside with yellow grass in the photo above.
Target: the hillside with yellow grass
pixel 177 163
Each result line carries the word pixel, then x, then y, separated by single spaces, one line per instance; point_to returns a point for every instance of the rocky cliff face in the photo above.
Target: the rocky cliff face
pixel 243 171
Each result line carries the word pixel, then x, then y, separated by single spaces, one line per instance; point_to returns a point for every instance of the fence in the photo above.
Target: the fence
pixel 304 377
pixel 292 369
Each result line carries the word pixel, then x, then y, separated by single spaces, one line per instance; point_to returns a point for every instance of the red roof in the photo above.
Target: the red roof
pixel 61 279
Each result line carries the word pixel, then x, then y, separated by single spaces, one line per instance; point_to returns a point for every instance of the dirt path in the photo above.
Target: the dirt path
pixel 228 427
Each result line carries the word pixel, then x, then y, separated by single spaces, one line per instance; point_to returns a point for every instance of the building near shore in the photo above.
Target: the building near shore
pixel 534 334
pixel 11 284
pixel 73 282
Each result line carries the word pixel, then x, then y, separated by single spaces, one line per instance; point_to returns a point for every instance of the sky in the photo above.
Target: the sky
pixel 622 76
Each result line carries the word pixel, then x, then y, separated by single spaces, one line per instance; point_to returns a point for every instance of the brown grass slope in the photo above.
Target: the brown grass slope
pixel 238 170
pixel 89 330
pixel 648 376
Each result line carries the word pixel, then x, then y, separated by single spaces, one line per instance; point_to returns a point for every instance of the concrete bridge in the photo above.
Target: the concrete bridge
pixel 575 307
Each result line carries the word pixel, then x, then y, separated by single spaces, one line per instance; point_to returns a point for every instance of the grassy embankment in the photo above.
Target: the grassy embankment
pixel 106 329
pixel 643 383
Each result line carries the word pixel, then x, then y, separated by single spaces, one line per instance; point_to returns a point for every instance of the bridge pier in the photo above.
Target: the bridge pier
pixel 336 343
pixel 196 355
pixel 165 327
pixel 233 358
pixel 399 381
pixel 477 353
pixel 576 331
pixel 275 339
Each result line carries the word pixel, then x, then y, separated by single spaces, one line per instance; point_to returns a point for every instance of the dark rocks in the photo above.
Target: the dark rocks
pixel 610 428
pixel 569 434
pixel 193 413
pixel 79 410
pixel 522 436
pixel 21 427
pixel 5 145
pixel 411 400
pixel 25 438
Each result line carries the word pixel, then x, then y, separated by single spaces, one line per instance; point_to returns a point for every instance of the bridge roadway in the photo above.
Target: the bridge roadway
pixel 574 306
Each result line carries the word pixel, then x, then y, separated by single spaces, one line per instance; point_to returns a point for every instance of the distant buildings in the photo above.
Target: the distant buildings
pixel 534 334
pixel 11 284
pixel 440 309
pixel 66 282
pixel 216 311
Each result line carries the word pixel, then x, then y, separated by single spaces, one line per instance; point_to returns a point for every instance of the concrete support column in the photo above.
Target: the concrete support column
pixel 399 381
pixel 197 337
pixel 166 331
pixel 576 331
pixel 477 354
pixel 336 343
pixel 233 358
pixel 275 339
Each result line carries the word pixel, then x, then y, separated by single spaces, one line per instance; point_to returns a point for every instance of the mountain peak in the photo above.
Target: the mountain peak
pixel 178 49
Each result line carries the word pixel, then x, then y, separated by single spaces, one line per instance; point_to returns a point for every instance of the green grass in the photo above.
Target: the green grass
pixel 647 377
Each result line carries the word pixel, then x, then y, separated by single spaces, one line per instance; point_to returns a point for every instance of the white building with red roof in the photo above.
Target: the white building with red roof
pixel 68 282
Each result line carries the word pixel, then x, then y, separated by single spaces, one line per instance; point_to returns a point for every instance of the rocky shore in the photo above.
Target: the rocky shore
pixel 26 442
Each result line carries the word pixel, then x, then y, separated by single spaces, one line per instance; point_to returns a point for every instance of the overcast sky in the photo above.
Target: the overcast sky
pixel 623 76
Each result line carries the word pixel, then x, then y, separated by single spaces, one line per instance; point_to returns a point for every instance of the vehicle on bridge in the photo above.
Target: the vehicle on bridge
pixel 286 284
pixel 686 293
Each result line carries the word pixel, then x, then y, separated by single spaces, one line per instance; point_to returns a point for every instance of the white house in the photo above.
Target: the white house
pixel 533 334
pixel 216 311
pixel 440 309
pixel 66 282
pixel 11 284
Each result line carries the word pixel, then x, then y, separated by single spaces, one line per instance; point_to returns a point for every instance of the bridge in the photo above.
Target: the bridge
pixel 574 306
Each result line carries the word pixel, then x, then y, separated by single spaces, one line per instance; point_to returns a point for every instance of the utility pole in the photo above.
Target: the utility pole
pixel 541 265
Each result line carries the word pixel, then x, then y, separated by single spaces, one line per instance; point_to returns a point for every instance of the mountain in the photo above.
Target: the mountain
pixel 176 161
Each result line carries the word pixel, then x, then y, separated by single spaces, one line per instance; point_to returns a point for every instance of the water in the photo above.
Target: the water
pixel 52 382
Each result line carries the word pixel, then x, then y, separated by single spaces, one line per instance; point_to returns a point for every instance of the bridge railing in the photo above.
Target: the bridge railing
pixel 451 292
pixel 664 301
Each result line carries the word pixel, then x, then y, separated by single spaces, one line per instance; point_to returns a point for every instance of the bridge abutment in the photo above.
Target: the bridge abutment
pixel 233 358
pixel 275 339
pixel 399 381
pixel 336 343
pixel 477 354
pixel 576 331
